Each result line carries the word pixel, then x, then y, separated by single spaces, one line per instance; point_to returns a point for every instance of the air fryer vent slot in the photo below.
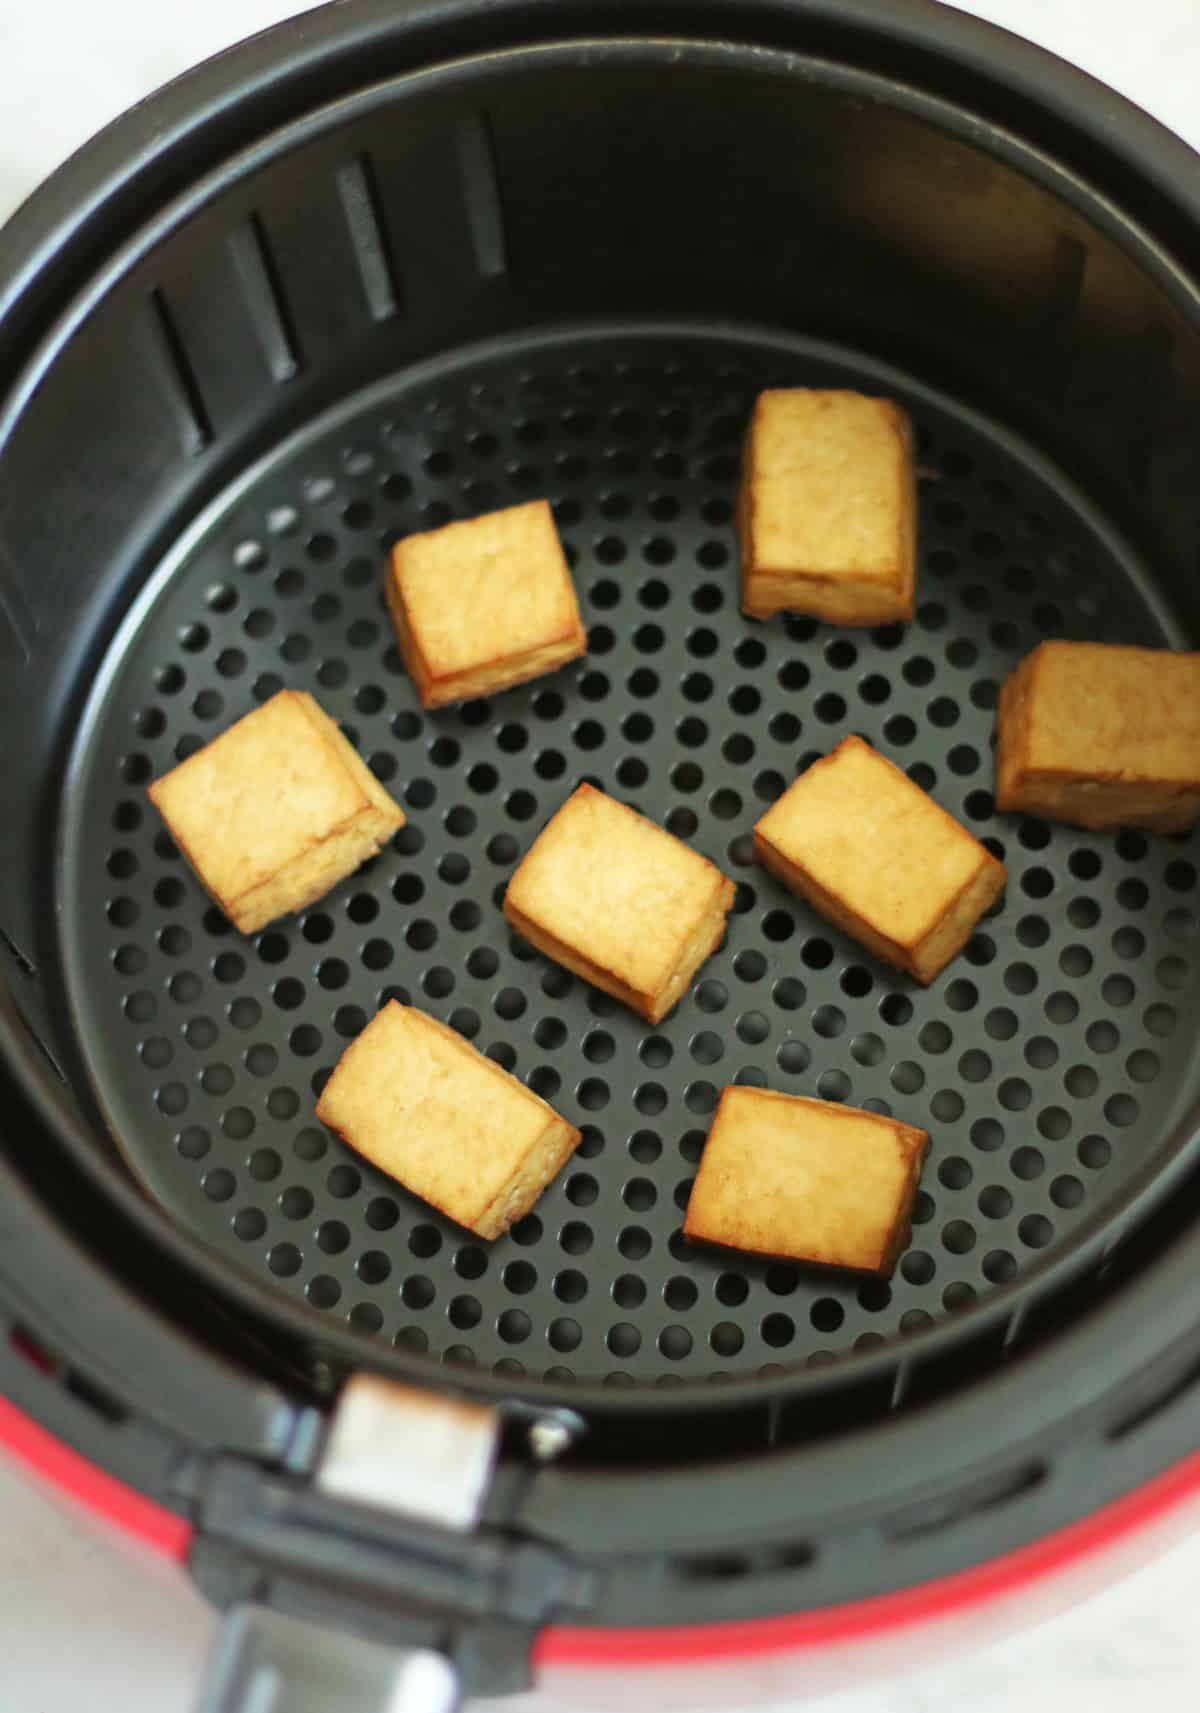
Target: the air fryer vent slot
pixel 96 1397
pixel 89 1392
pixel 198 432
pixel 986 1495
pixel 23 963
pixel 368 237
pixel 1154 1397
pixel 264 299
pixel 481 195
pixel 732 1566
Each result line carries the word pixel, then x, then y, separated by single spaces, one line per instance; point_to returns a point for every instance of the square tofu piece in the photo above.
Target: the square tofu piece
pixel 275 811
pixel 621 902
pixel 827 509
pixel 1102 736
pixel 481 605
pixel 806 1180
pixel 867 848
pixel 420 1103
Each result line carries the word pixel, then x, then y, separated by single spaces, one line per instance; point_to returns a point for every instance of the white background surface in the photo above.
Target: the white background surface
pixel 88 1619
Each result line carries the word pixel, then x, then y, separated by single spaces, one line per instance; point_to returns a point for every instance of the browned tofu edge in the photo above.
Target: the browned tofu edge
pixel 579 965
pixel 903 955
pixel 1023 789
pixel 914 1140
pixel 410 654
pixel 380 814
pixel 897 594
pixel 437 690
pixel 496 1218
pixel 652 1006
pixel 338 745
pixel 816 595
pixel 559 1141
pixel 646 1004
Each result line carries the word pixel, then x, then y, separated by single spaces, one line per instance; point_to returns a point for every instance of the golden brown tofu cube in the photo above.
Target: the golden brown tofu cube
pixel 806 1180
pixel 624 904
pixel 870 850
pixel 275 811
pixel 482 605
pixel 420 1103
pixel 1102 736
pixel 827 510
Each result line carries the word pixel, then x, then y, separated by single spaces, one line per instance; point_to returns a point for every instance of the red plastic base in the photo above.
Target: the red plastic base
pixel 562 1647
pixel 91 1487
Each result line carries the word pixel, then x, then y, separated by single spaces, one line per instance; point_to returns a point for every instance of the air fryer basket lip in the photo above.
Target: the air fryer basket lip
pixel 54 237
pixel 56 240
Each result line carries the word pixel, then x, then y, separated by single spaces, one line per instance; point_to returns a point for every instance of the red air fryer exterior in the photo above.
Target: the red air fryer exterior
pixel 823 1649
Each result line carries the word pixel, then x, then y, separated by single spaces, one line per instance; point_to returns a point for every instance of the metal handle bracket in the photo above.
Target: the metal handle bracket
pixel 267 1662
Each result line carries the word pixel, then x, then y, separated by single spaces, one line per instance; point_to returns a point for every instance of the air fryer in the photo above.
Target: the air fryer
pixel 392 264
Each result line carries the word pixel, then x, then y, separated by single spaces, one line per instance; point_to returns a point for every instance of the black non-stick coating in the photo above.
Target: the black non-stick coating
pixel 1046 1061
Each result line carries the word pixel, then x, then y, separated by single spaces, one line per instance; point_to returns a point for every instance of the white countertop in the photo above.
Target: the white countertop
pixel 86 1617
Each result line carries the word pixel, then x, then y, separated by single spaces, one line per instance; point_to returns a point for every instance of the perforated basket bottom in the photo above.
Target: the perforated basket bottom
pixel 1045 1061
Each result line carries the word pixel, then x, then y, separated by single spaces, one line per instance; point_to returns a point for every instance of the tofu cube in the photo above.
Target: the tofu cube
pixel 419 1102
pixel 275 811
pixel 1103 736
pixel 806 1180
pixel 624 904
pixel 482 605
pixel 877 856
pixel 827 509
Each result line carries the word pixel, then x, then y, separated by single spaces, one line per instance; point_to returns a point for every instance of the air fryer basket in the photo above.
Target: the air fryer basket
pixel 385 268
pixel 1044 1062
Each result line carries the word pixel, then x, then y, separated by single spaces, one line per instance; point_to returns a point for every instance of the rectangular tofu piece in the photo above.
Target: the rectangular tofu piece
pixel 1102 736
pixel 827 509
pixel 624 904
pixel 419 1102
pixel 806 1180
pixel 482 605
pixel 872 852
pixel 275 811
